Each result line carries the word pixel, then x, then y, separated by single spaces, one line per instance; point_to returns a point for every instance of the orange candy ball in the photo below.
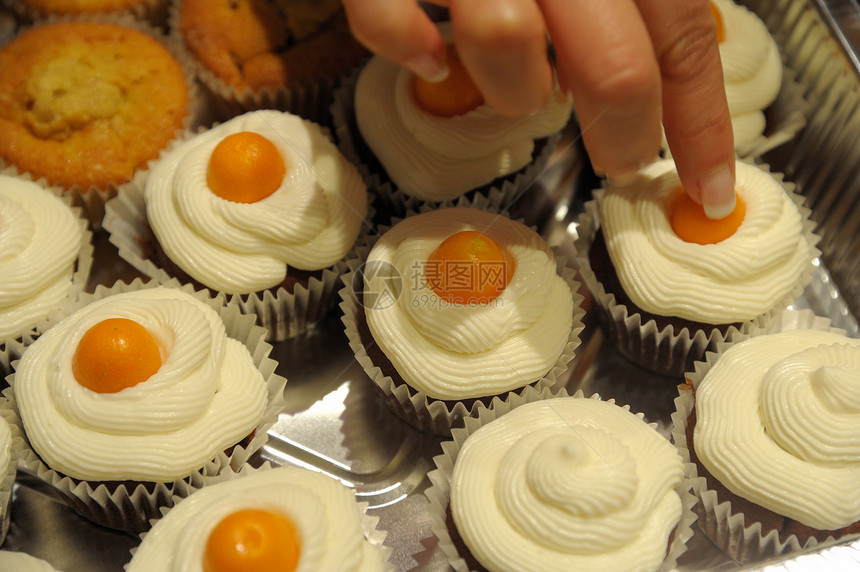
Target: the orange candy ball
pixel 469 268
pixel 455 95
pixel 245 167
pixel 718 18
pixel 114 354
pixel 252 539
pixel 691 224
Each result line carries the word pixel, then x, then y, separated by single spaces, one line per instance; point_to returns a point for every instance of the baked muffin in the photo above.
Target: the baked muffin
pixel 85 104
pixel 47 255
pixel 263 208
pixel 305 520
pixel 420 142
pixel 669 283
pixel 768 425
pixel 565 483
pixel 268 54
pixel 457 306
pixel 23 562
pixel 137 388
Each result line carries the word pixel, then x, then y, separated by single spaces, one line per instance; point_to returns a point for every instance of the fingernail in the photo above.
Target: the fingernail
pixel 428 67
pixel 718 193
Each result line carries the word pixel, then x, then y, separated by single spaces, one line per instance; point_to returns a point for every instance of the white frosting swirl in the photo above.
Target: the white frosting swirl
pixel 40 238
pixel 207 396
pixel 451 351
pixel 324 512
pixel 439 158
pixel 777 420
pixel 23 562
pixel 737 279
pixel 567 484
pixel 310 222
pixel 752 69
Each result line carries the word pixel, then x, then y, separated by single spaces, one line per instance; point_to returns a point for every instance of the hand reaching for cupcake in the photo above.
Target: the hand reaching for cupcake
pixel 629 65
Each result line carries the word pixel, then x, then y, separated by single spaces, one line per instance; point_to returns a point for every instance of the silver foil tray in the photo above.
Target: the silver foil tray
pixel 336 423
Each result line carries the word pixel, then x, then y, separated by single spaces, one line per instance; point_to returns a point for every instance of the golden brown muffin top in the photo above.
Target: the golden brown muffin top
pixel 86 103
pixel 268 43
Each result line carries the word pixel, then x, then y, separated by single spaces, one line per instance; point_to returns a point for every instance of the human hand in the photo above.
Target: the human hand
pixel 629 65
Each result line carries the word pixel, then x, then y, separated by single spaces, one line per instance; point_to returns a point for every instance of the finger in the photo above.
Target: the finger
pixel 503 45
pixel 696 115
pixel 400 31
pixel 605 59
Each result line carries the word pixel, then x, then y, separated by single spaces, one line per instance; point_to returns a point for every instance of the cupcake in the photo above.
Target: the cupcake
pixel 262 208
pixel 47 255
pixel 768 425
pixel 419 142
pixel 456 306
pixel 86 104
pixel 137 389
pixel 669 283
pixel 288 519
pixel 259 54
pixel 564 483
pixel 23 562
pixel 8 470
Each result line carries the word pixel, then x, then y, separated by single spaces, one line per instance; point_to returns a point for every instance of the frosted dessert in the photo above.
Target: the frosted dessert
pixel 305 521
pixel 23 562
pixel 438 154
pixel 725 271
pixel 752 68
pixel 480 311
pixel 567 484
pixel 143 385
pixel 238 205
pixel 776 424
pixel 40 242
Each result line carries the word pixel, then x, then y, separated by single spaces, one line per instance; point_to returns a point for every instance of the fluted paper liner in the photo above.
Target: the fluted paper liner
pixel 7 478
pixel 130 506
pixel 439 492
pixel 664 351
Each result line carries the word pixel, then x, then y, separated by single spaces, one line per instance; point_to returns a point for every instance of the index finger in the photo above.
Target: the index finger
pixel 401 31
pixel 695 112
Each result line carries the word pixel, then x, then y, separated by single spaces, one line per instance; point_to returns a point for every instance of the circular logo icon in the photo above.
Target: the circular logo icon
pixel 377 285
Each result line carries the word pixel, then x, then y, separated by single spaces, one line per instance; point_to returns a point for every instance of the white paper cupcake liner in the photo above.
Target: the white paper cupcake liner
pixel 369 523
pixel 495 196
pixel 418 409
pixel 7 477
pixel 131 505
pixel 308 99
pixel 440 490
pixel 664 351
pixel 10 349
pixel 717 519
pixel 282 313
pixel 92 199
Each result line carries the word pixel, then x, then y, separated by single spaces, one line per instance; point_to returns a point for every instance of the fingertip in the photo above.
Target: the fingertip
pixel 717 192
